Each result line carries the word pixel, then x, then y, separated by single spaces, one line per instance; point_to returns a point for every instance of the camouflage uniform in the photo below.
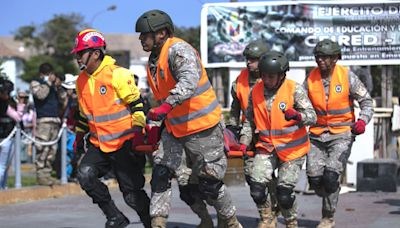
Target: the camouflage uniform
pixel 204 149
pixel 235 119
pixel 265 164
pixel 47 129
pixel 331 151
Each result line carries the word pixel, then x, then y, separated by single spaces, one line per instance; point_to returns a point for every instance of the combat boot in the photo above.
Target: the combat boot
pixel 231 222
pixel 267 218
pixel 115 218
pixel 200 209
pixel 291 223
pixel 158 222
pixel 326 222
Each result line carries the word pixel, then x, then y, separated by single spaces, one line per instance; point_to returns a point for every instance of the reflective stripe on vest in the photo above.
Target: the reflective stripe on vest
pixel 195 114
pixel 336 115
pixel 243 91
pixel 289 139
pixel 110 121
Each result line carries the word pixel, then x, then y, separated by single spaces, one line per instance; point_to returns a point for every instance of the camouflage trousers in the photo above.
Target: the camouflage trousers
pixel 272 201
pixel 328 154
pixel 264 166
pixel 45 155
pixel 205 153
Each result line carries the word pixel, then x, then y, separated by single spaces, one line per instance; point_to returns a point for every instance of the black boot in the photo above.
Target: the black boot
pixel 115 218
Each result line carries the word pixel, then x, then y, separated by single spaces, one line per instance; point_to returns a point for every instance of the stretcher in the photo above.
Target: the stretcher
pixel 239 154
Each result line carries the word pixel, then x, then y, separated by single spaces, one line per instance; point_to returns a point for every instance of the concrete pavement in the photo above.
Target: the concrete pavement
pixel 355 210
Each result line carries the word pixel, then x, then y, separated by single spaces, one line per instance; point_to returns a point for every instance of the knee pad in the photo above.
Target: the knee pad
pixel 87 177
pixel 189 193
pixel 285 197
pixel 257 192
pixel 209 188
pixel 331 181
pixel 160 179
pixel 138 200
pixel 315 182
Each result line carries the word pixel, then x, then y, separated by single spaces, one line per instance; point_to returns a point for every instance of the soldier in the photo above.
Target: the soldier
pixel 111 110
pixel 191 114
pixel 240 91
pixel 48 98
pixel 278 109
pixel 332 89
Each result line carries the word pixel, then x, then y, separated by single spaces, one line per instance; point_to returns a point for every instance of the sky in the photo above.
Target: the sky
pixel 17 13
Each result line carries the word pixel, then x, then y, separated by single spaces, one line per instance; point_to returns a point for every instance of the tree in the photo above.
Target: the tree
pixel 190 35
pixel 52 42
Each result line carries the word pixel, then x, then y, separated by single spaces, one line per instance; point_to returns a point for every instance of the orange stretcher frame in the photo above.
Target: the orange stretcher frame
pixel 239 154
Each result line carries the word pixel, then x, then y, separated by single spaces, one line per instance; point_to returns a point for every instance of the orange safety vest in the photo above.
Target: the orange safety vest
pixel 110 122
pixel 198 113
pixel 289 139
pixel 336 115
pixel 243 90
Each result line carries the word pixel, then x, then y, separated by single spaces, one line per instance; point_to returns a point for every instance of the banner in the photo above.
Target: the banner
pixel 369 33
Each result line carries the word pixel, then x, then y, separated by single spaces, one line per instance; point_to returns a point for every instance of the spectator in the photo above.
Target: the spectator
pixel 28 116
pixel 48 97
pixel 8 118
pixel 69 117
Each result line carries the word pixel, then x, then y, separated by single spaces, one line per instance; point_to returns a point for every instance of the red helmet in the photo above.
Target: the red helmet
pixel 87 39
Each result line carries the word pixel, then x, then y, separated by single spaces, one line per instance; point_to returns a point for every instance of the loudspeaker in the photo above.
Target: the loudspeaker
pixel 377 175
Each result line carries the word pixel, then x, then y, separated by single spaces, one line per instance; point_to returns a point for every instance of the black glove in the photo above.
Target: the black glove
pixel 234 129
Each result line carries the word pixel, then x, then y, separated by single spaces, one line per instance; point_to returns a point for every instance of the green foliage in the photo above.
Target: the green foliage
pixel 25 181
pixel 190 35
pixel 53 42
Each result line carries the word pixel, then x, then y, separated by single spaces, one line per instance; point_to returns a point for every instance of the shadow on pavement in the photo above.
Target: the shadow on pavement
pixel 391 202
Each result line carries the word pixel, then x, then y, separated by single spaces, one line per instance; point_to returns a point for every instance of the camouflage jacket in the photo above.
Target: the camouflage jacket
pixel 302 104
pixel 186 69
pixel 359 93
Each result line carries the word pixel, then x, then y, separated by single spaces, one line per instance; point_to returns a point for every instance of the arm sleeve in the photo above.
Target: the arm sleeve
pixel 361 95
pixel 248 129
pixel 39 91
pixel 124 85
pixel 186 69
pixel 234 115
pixel 303 105
pixel 13 114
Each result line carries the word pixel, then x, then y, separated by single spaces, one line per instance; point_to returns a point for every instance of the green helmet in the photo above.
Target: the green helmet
pixel 327 47
pixel 154 20
pixel 273 62
pixel 255 49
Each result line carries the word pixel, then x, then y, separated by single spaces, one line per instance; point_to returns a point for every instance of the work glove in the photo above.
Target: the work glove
pixel 292 114
pixel 243 148
pixel 358 127
pixel 153 134
pixel 138 138
pixel 160 112
pixel 79 143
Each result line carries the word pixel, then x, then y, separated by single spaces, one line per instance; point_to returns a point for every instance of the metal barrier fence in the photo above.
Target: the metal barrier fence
pixel 17 132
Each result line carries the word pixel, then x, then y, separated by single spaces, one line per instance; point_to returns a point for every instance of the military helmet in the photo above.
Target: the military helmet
pixel 327 47
pixel 154 20
pixel 273 62
pixel 255 49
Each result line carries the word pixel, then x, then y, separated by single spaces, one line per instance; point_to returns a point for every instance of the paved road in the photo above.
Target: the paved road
pixel 355 210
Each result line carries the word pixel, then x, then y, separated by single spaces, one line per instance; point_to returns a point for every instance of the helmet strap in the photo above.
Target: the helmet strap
pixel 84 66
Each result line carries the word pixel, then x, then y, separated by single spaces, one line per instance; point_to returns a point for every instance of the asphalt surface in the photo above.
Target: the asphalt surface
pixel 355 210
